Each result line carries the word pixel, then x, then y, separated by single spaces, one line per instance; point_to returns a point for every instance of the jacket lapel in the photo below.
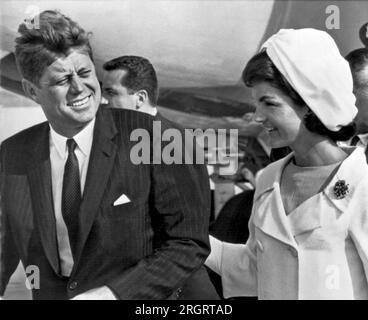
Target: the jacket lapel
pixel 307 216
pixel 100 165
pixel 311 214
pixel 270 217
pixel 270 214
pixel 352 171
pixel 39 175
pixel 315 211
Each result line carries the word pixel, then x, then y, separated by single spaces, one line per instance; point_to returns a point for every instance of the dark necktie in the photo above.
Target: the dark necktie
pixel 71 195
pixel 354 141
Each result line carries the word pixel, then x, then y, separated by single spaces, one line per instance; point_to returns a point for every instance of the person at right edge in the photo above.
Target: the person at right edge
pixel 308 232
pixel 358 61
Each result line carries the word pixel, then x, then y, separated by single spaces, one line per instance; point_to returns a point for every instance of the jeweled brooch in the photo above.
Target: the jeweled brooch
pixel 341 189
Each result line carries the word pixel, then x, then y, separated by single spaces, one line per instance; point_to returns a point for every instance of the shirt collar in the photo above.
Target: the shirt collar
pixel 83 139
pixel 152 111
pixel 363 138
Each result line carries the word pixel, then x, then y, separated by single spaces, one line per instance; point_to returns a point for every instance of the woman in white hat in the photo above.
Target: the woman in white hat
pixel 308 233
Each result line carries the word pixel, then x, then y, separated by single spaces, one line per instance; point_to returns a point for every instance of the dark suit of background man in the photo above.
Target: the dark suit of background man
pixel 130 82
pixel 358 60
pixel 96 225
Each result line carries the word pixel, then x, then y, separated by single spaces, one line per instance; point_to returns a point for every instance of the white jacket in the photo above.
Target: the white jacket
pixel 325 254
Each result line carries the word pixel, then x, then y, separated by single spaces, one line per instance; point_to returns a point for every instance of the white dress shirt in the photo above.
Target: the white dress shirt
pixel 58 157
pixel 150 110
pixel 362 143
pixel 363 140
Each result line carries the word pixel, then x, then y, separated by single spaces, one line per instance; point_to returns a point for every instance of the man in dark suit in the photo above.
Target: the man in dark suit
pixel 358 61
pixel 74 203
pixel 130 82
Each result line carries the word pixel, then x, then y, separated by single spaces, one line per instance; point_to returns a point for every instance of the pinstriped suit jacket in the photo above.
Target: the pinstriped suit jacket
pixel 144 249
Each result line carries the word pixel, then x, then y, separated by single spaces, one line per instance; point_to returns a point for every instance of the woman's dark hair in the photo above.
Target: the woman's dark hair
pixel 313 124
pixel 260 68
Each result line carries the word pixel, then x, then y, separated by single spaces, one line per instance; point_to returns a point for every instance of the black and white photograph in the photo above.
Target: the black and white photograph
pixel 208 152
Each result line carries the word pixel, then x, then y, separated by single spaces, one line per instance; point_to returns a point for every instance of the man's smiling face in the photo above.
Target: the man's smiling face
pixel 69 93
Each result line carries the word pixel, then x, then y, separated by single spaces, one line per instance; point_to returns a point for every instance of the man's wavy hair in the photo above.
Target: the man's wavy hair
pixel 39 45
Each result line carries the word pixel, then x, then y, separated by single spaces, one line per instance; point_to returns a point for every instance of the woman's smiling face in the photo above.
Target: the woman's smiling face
pixel 281 117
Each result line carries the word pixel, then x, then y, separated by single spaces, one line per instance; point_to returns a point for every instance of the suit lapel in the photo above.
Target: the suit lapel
pixel 39 175
pixel 270 213
pixel 308 215
pixel 100 164
pixel 271 217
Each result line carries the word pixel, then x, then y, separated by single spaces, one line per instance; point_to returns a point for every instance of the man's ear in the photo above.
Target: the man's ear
pixel 142 98
pixel 30 89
